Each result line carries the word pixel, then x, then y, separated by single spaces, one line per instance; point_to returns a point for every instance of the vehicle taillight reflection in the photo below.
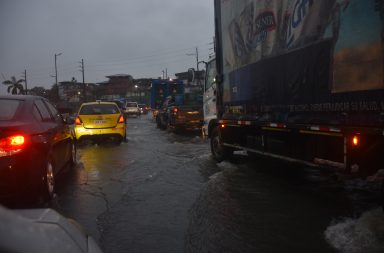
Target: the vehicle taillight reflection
pixel 12 145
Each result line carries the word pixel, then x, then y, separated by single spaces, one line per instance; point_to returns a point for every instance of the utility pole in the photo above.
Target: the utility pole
pixel 56 67
pixel 197 59
pixel 84 89
pixel 25 82
pixel 197 64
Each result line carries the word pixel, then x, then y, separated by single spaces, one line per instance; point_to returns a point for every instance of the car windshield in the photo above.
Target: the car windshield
pixel 8 108
pixel 131 105
pixel 99 109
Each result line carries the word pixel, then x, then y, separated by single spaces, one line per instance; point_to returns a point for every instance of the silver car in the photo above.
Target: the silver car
pixel 42 231
pixel 132 108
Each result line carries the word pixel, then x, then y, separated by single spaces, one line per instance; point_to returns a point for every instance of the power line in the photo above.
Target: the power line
pixel 34 73
pixel 139 57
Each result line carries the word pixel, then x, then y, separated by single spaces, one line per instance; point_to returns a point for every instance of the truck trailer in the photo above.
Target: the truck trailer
pixel 300 80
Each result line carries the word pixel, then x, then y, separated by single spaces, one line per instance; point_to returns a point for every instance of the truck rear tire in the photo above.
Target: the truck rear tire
pixel 218 150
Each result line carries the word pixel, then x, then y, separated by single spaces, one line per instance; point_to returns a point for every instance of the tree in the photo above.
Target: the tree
pixel 53 94
pixel 14 86
pixel 38 91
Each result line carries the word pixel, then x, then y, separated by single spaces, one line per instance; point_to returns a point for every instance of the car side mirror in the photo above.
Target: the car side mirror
pixel 69 120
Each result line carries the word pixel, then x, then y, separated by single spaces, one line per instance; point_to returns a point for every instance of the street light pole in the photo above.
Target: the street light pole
pixel 56 66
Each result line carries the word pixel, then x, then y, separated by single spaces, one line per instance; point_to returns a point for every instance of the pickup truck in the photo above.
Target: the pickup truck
pixel 181 113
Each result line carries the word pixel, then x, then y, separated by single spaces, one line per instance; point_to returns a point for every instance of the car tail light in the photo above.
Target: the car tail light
pixel 12 145
pixel 121 119
pixel 175 110
pixel 78 121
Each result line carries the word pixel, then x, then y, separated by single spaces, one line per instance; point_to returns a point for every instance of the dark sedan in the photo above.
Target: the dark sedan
pixel 36 143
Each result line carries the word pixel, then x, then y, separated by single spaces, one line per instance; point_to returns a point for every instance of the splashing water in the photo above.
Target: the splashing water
pixel 365 234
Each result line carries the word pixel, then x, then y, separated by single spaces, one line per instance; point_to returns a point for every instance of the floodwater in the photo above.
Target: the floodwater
pixel 162 192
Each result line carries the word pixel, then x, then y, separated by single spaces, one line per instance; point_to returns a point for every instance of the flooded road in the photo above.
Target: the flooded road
pixel 162 192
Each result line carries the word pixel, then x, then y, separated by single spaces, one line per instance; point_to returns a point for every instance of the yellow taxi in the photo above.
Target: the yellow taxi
pixel 100 120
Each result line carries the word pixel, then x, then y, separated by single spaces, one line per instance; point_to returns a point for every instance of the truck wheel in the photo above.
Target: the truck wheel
pixel 218 150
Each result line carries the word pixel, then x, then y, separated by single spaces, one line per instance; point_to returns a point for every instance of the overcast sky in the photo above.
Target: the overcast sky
pixel 136 37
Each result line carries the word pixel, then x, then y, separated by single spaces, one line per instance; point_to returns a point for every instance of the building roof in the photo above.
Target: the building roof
pixel 119 75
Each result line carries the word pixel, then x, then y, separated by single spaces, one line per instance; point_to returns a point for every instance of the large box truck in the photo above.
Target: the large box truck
pixel 300 80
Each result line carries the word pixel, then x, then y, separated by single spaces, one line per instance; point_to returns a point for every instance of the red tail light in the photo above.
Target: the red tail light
pixel 12 145
pixel 78 121
pixel 121 119
pixel 175 110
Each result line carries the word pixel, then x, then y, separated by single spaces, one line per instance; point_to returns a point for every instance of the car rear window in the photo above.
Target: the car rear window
pixel 131 104
pixel 9 108
pixel 99 109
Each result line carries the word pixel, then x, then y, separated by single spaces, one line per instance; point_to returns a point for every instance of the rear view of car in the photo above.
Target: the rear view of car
pixel 36 144
pixel 132 108
pixel 143 108
pixel 98 121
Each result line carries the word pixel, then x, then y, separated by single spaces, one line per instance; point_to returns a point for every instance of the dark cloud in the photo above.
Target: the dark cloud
pixel 137 37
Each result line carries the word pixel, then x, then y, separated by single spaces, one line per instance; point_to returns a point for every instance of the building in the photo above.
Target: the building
pixel 116 87
pixel 142 91
pixel 70 91
pixel 72 94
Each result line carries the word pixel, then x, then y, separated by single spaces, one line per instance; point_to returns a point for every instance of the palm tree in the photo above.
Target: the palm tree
pixel 14 85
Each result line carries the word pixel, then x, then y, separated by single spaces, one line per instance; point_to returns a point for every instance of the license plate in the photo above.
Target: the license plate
pixel 98 122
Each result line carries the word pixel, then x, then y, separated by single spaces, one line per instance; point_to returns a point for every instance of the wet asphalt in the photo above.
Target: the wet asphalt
pixel 162 192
